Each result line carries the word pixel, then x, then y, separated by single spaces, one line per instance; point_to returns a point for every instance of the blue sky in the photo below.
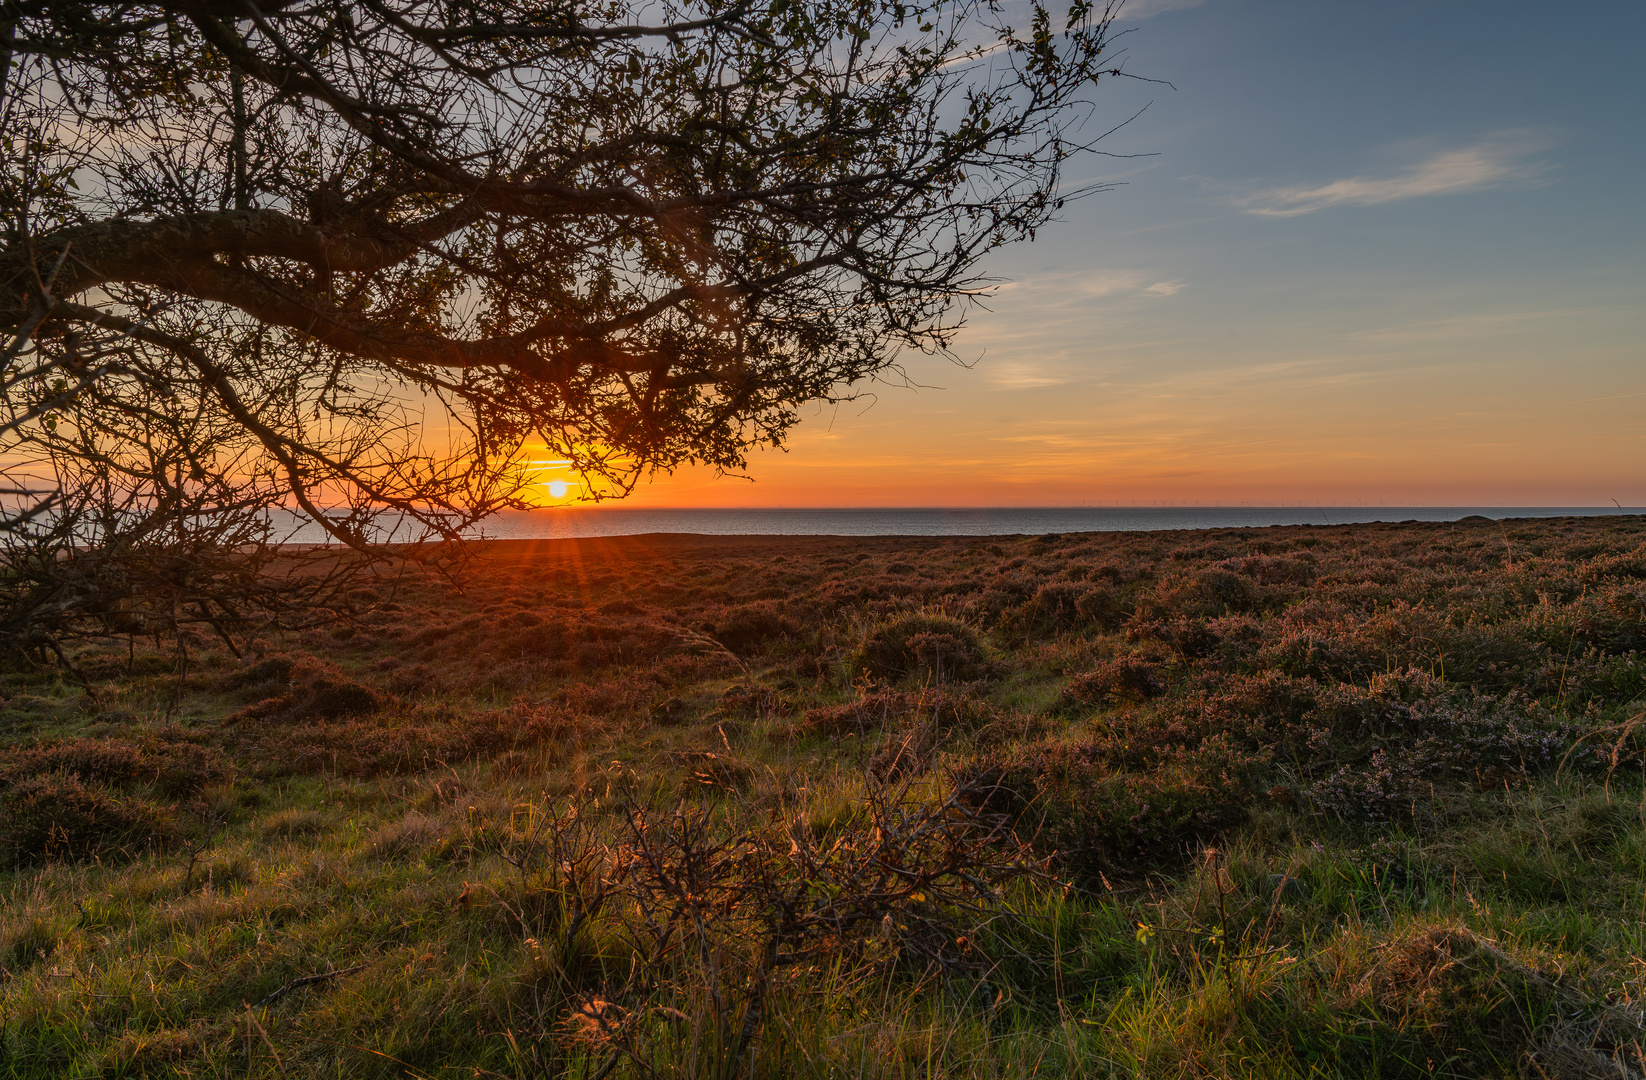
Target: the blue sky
pixel 1384 252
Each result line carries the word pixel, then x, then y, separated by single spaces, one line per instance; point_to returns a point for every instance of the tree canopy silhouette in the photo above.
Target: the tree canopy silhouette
pixel 358 253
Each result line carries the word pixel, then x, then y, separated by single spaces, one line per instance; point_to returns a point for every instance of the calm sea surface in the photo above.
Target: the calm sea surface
pixel 601 521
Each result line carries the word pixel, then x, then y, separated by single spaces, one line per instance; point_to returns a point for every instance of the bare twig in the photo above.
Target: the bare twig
pixel 309 980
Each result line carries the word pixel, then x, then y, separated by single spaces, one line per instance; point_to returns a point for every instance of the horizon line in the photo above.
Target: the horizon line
pixel 614 505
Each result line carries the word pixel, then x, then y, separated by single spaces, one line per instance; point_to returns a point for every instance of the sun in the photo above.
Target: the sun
pixel 558 488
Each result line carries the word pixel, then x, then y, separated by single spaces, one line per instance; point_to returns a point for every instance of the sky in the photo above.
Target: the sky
pixel 1388 253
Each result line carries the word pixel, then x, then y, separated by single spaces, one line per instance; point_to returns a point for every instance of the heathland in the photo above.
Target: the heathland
pixel 1360 800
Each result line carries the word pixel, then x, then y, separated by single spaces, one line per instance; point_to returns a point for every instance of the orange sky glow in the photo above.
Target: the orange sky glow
pixel 1487 421
pixel 1346 263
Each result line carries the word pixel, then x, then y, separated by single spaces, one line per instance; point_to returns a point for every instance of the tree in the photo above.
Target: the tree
pixel 249 245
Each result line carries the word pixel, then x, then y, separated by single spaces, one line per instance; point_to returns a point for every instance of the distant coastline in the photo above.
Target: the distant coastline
pixel 579 522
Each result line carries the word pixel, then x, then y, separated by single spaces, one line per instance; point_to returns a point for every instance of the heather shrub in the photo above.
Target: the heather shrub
pixel 894 709
pixel 410 680
pixel 1072 803
pixel 615 633
pixel 1102 607
pixel 989 604
pixel 1238 639
pixel 1190 638
pixel 1438 994
pixel 1377 790
pixel 1614 620
pixel 1207 592
pixel 1059 606
pixel 942 656
pixel 626 696
pixel 326 698
pixel 1267 714
pixel 754 699
pixel 1330 641
pixel 59 816
pixel 334 698
pixel 695 666
pixel 922 645
pixel 300 688
pixel 1368 747
pixel 170 766
pixel 267 677
pixel 508 676
pixel 1386 705
pixel 1595 676
pixel 1299 570
pixel 748 628
pixel 1626 566
pixel 409 742
pixel 1465 738
pixel 1125 678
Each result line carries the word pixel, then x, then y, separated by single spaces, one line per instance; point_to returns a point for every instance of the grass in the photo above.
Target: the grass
pixel 1353 801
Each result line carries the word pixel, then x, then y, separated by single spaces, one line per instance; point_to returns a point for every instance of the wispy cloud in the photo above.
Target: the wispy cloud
pixel 1095 284
pixel 1486 164
pixel 1022 375
pixel 1056 289
pixel 1036 331
pixel 1142 9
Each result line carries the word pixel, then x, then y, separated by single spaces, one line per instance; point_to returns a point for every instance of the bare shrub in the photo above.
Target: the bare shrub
pixel 904 752
pixel 716 914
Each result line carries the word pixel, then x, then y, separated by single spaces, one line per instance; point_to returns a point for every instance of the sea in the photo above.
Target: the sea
pixel 570 522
